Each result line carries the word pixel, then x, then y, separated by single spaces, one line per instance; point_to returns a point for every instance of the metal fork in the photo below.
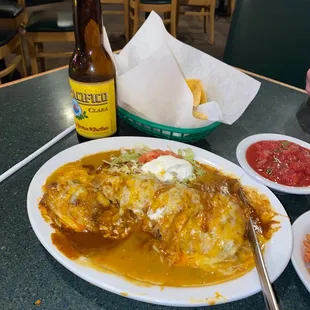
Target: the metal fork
pixel 269 297
pixel 268 293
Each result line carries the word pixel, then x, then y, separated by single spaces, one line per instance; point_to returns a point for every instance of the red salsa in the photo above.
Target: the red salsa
pixel 283 162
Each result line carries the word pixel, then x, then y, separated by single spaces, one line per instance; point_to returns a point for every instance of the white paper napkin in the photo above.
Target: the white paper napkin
pixel 151 72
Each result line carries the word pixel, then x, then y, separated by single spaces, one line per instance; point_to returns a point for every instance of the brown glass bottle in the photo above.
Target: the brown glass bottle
pixel 92 75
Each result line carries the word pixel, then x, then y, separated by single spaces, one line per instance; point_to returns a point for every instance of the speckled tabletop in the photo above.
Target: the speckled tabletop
pixel 32 113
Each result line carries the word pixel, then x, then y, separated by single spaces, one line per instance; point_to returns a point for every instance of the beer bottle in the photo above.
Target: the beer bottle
pixel 91 75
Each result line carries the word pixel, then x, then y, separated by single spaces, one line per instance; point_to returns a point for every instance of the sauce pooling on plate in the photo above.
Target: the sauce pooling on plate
pixel 281 161
pixel 110 215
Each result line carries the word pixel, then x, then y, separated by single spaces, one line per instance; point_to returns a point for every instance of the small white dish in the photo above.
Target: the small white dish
pixel 301 227
pixel 241 156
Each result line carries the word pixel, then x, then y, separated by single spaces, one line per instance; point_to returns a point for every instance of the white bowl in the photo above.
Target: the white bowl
pixel 241 156
pixel 301 227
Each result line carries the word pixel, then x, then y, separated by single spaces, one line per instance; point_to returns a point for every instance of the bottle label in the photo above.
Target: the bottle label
pixel 94 108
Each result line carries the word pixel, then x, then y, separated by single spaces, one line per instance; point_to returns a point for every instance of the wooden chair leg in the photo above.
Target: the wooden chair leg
pixel 32 56
pixel 205 24
pixel 177 17
pixel 126 20
pixel 232 4
pixel 201 18
pixel 211 18
pixel 130 26
pixel 11 69
pixel 136 13
pixel 131 19
pixel 211 33
pixel 167 15
pixel 173 18
pixel 23 60
pixel 40 48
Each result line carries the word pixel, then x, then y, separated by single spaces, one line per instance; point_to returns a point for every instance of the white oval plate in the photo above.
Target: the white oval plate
pixel 241 153
pixel 277 254
pixel 301 227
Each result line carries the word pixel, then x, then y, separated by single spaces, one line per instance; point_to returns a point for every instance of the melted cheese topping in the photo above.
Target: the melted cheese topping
pixel 185 225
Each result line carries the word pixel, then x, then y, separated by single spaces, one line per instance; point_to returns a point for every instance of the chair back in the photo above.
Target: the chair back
pixel 271 38
pixel 38 2
pixel 112 1
pixel 12 14
pixel 200 2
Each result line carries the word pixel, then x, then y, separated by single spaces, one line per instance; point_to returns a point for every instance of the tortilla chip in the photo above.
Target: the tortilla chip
pixel 196 91
pixel 204 97
pixel 199 115
pixel 196 87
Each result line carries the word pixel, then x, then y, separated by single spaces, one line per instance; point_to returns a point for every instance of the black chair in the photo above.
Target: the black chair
pixel 10 43
pixel 12 14
pixel 46 26
pixel 40 2
pixel 271 38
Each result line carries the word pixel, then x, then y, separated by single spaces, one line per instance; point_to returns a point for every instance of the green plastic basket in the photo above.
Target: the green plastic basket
pixel 166 132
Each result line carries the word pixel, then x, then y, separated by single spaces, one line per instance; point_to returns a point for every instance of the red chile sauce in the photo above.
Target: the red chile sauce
pixel 283 162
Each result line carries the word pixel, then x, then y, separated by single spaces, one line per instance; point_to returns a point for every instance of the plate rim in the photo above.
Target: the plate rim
pixel 246 142
pixel 296 258
pixel 135 140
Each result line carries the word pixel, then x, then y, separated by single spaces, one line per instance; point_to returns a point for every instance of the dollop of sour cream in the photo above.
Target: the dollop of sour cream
pixel 167 167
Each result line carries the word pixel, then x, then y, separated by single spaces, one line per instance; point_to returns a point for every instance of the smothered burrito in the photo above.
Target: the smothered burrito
pixel 155 216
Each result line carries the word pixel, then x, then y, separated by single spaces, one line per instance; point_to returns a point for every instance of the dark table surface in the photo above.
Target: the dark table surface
pixel 36 110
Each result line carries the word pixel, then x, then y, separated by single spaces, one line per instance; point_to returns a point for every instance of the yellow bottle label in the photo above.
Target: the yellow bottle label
pixel 94 108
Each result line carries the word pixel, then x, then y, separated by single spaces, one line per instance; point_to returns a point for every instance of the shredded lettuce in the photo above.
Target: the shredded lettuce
pixel 127 162
pixel 124 158
pixel 141 148
pixel 129 155
pixel 187 154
